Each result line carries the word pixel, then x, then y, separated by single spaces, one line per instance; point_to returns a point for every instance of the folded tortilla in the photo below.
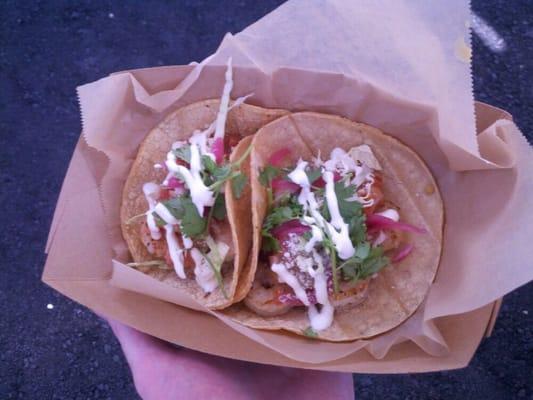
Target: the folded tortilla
pixel 399 289
pixel 244 120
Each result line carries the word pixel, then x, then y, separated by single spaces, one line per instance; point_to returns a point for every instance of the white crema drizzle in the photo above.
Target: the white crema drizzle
pixel 338 230
pixel 201 196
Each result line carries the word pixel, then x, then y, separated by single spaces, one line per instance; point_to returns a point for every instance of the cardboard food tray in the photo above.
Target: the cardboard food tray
pixel 412 79
pixel 85 276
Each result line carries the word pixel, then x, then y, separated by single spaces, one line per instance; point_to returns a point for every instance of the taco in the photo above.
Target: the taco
pixel 347 231
pixel 186 203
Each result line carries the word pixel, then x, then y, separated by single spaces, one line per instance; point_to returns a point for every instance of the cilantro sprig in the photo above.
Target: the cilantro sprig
pixel 183 153
pixel 310 333
pixel 229 172
pixel 266 175
pixel 277 216
pixel 192 224
pixel 366 262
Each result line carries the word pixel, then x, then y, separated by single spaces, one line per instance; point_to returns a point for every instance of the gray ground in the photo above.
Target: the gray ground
pixel 49 47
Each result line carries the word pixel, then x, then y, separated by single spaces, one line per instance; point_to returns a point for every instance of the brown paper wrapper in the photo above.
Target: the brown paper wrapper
pixel 484 180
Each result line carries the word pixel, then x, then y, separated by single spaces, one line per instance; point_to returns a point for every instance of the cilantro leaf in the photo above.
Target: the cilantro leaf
pixel 277 216
pixel 313 174
pixel 175 207
pixel 362 251
pixel 192 224
pixel 351 211
pixel 348 209
pixel 281 214
pixel 324 210
pixel 222 173
pixel 310 333
pixel 219 208
pixel 357 228
pixel 267 174
pixel 160 222
pixel 269 243
pixel 375 261
pixel 238 182
pixel 183 153
pixel 209 165
pixel 366 262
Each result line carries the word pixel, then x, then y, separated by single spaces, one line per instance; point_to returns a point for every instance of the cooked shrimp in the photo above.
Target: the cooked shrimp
pixel 263 297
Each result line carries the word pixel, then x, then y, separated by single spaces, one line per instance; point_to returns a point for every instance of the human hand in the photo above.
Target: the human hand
pixel 161 371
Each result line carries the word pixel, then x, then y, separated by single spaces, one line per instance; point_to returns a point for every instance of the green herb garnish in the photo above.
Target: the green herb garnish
pixel 238 184
pixel 366 262
pixel 347 208
pixel 192 224
pixel 208 164
pixel 290 210
pixel 219 208
pixel 160 222
pixel 183 153
pixel 313 174
pixel 154 263
pixel 267 174
pixel 310 333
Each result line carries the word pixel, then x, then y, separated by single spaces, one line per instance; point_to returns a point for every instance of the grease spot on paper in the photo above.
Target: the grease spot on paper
pixel 462 51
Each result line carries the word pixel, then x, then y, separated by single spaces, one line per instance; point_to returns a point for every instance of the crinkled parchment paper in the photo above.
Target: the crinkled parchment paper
pixel 391 64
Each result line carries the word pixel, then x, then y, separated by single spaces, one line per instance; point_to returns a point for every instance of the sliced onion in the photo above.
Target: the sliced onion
pixel 175 183
pixel 320 182
pixel 218 149
pixel 378 222
pixel 277 157
pixel 164 194
pixel 294 226
pixel 402 252
pixel 280 185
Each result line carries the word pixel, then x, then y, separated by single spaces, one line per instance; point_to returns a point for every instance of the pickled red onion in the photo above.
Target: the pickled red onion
pixel 378 222
pixel 402 253
pixel 277 157
pixel 320 182
pixel 280 185
pixel 175 183
pixel 218 150
pixel 282 231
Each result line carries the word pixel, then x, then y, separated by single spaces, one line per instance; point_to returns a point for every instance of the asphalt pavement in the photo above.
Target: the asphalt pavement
pixel 47 48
